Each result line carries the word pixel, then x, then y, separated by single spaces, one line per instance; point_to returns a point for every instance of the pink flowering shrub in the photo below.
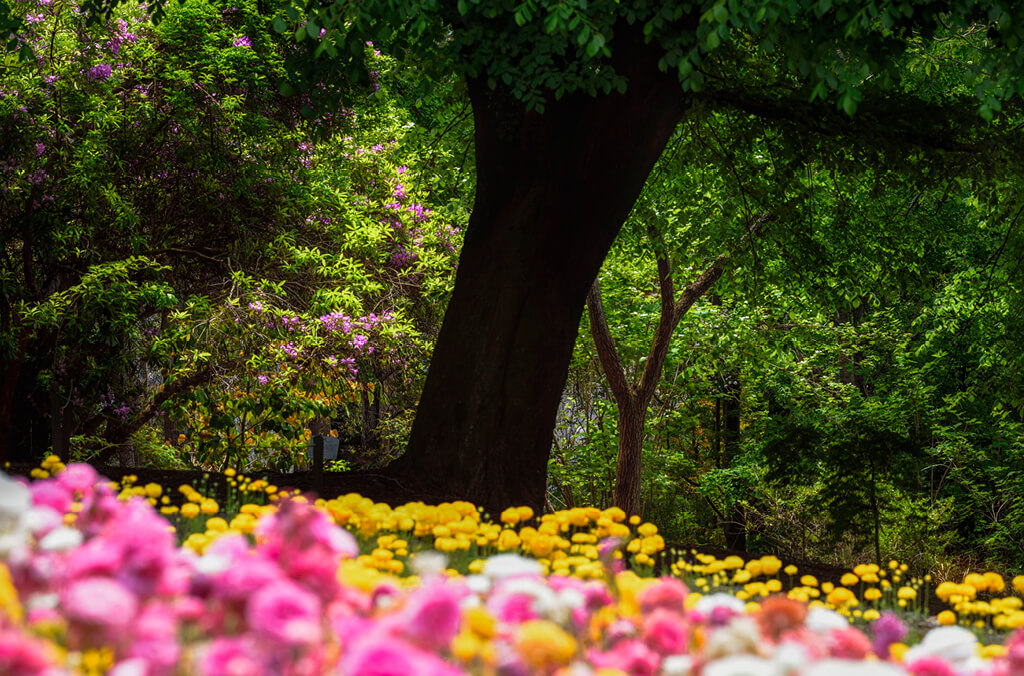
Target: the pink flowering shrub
pixel 114 580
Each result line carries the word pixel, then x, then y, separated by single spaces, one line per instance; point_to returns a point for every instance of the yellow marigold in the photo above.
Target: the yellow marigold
pixel 790 570
pixel 615 514
pixel 906 593
pixel 1018 584
pixel 544 644
pixel 840 596
pixel 647 529
pixel 871 614
pixel 849 580
pixel 525 513
pixel 770 565
pixel 190 510
pixel 466 646
pixel 946 617
pixel 508 540
pixel 510 516
pixel 994 582
pixel 154 490
pixel 479 621
pixel 976 580
pixel 209 506
pixel 872 594
pixel 827 587
pixel 809 581
pixel 9 604
pixel 732 562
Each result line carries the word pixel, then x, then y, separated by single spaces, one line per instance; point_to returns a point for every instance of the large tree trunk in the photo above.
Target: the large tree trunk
pixel 553 190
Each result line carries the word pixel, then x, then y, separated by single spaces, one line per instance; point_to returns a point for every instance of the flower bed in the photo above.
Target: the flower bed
pixel 93 581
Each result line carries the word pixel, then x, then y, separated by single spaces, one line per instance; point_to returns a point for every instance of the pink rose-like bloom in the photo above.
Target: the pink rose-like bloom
pixel 22 656
pixel 668 593
pixel 51 494
pixel 156 638
pixel 244 578
pixel 387 656
pixel 432 615
pixel 849 644
pixel 230 657
pixel 930 666
pixel 631 656
pixel 285 613
pixel 665 632
pixel 78 477
pixel 100 602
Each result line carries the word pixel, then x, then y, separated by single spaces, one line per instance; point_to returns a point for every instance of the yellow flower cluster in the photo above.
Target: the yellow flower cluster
pixel 50 466
pixel 564 542
pixel 976 602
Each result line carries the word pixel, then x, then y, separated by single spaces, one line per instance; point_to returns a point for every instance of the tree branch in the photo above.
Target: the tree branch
pixel 606 352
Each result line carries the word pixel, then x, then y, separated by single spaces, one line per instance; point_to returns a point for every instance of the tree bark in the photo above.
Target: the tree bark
pixel 553 190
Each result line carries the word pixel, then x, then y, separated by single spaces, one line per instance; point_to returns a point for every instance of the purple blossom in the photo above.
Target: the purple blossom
pixel 262 379
pixel 887 629
pixel 100 71
pixel 40 149
pixel 33 19
pixel 243 41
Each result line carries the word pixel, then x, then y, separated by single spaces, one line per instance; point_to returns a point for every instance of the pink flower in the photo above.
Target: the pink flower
pixel 387 656
pixel 97 557
pixel 230 657
pixel 244 578
pixel 22 656
pixel 78 477
pixel 51 494
pixel 156 638
pixel 100 603
pixel 631 656
pixel 930 666
pixel 668 593
pixel 665 632
pixel 285 613
pixel 432 615
pixel 850 644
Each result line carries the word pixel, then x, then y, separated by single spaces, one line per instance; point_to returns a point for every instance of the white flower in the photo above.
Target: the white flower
pixel 953 644
pixel 741 635
pixel 15 503
pixel 742 665
pixel 61 539
pixel 823 621
pixel 832 667
pixel 677 665
pixel 511 565
pixel 478 584
pixel 706 604
pixel 213 564
pixel 428 563
pixel 15 498
pixel 791 656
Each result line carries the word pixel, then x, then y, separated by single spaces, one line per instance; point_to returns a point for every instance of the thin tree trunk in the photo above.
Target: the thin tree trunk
pixel 632 399
pixel 628 469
